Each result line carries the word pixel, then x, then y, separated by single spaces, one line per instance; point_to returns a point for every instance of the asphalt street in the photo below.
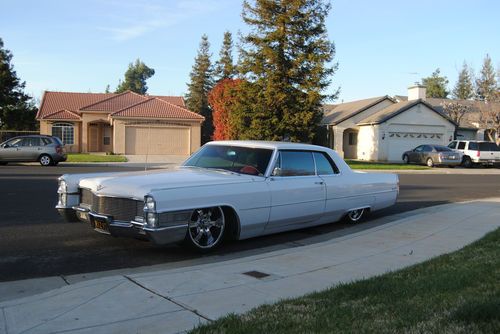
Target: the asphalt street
pixel 36 242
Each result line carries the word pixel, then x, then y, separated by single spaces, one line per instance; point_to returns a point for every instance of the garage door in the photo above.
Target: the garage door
pixel 401 142
pixel 156 140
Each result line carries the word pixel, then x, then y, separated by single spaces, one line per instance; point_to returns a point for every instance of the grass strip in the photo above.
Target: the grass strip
pixel 453 293
pixel 83 157
pixel 355 164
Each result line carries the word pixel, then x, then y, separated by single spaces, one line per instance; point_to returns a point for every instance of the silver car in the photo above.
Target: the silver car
pixel 47 150
pixel 433 155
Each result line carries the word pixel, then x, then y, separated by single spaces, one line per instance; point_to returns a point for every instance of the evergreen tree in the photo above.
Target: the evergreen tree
pixel 436 85
pixel 224 67
pixel 284 61
pixel 464 88
pixel 200 85
pixel 135 78
pixel 17 109
pixel 486 84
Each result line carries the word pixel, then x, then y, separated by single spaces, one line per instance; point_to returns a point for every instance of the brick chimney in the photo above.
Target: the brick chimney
pixel 416 92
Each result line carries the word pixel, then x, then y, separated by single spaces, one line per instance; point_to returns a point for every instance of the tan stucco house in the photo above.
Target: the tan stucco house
pixel 125 123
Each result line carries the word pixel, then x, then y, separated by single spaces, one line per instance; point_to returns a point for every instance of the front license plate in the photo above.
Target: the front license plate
pixel 82 215
pixel 101 225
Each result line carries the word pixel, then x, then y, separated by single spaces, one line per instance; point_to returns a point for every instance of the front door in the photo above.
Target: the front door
pixel 93 138
pixel 297 194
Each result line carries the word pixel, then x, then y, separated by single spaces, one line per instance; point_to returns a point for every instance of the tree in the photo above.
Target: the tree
pixel 224 67
pixel 456 112
pixel 199 86
pixel 486 84
pixel 222 99
pixel 284 60
pixel 135 78
pixel 464 88
pixel 17 109
pixel 436 85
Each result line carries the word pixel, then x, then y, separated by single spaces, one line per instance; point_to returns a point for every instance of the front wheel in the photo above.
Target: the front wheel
pixel 406 160
pixel 46 160
pixel 430 163
pixel 206 229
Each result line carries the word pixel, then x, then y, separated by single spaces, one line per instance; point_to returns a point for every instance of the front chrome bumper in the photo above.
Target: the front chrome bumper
pixel 134 229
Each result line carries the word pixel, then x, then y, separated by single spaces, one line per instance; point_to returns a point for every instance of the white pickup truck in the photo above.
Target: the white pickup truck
pixel 477 152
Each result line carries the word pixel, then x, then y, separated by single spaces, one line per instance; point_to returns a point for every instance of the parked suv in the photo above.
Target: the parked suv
pixel 477 152
pixel 47 150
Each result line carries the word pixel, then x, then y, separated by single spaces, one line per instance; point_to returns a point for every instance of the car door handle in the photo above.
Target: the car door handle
pixel 319 182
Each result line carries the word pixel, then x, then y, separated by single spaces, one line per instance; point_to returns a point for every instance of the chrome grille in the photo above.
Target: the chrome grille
pixel 118 208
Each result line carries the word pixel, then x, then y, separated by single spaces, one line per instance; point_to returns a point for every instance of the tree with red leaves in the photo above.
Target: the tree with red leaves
pixel 222 99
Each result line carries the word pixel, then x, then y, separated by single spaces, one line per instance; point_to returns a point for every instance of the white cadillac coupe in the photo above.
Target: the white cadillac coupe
pixel 228 189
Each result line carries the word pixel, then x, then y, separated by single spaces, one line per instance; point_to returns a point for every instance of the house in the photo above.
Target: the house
pixel 125 123
pixel 382 128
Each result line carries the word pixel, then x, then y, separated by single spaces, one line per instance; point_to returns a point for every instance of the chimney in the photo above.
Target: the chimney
pixel 416 92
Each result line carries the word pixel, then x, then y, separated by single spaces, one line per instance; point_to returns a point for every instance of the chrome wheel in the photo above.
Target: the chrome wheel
pixel 355 216
pixel 45 160
pixel 206 228
pixel 430 163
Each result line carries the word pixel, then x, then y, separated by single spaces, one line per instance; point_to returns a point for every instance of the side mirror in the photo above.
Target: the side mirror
pixel 276 171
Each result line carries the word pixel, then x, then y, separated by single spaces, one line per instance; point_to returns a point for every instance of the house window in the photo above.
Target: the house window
pixel 65 132
pixel 107 136
pixel 353 138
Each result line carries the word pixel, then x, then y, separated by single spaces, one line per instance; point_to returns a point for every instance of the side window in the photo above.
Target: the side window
pixel 472 146
pixel 453 144
pixel 427 148
pixel 25 142
pixel 14 142
pixel 294 163
pixel 461 145
pixel 46 141
pixel 324 165
pixel 32 141
pixel 419 148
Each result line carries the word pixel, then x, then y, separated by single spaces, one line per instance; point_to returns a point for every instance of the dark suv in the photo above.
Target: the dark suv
pixel 47 150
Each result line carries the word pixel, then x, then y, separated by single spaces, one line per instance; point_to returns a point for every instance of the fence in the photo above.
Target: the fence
pixel 7 134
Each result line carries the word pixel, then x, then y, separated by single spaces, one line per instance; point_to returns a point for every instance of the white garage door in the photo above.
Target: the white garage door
pixel 156 140
pixel 401 142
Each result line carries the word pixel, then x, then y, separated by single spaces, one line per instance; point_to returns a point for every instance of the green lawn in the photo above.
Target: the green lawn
pixel 454 293
pixel 378 165
pixel 82 157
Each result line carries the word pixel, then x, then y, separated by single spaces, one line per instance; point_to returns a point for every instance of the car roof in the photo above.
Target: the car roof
pixel 268 144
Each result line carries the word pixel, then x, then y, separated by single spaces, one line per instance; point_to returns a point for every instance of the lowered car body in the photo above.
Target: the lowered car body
pixel 228 189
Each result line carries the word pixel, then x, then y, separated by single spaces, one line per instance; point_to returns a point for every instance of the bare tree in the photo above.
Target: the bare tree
pixel 456 110
pixel 489 117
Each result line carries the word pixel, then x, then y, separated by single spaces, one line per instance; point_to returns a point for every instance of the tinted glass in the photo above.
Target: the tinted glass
pixel 32 141
pixel 46 141
pixel 14 142
pixel 296 163
pixel 488 147
pixel 472 146
pixel 461 145
pixel 419 149
pixel 244 160
pixel 452 144
pixel 442 148
pixel 323 165
pixel 427 148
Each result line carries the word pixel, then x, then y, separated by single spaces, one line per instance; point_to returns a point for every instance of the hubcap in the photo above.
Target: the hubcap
pixel 206 227
pixel 45 160
pixel 429 162
pixel 355 215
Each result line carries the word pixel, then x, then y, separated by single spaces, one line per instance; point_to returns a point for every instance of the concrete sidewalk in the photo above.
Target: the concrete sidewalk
pixel 176 300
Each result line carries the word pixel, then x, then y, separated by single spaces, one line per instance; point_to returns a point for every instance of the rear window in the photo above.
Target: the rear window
pixel 488 147
pixel 442 148
pixel 57 141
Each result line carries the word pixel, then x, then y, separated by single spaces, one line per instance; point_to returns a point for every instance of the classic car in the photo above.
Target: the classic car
pixel 227 189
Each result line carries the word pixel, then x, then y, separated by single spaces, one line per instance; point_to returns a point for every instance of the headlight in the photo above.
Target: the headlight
pixel 149 204
pixel 152 219
pixel 63 187
pixel 63 199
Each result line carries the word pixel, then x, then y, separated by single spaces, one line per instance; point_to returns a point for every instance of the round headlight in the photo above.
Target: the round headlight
pixel 152 219
pixel 149 204
pixel 63 188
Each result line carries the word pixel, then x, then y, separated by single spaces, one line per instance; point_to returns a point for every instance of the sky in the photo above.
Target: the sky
pixel 382 47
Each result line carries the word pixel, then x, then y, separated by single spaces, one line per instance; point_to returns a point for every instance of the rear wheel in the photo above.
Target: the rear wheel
pixel 46 160
pixel 206 229
pixel 429 162
pixel 355 216
pixel 467 162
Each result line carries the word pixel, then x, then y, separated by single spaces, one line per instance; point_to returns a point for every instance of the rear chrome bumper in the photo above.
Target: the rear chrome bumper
pixel 131 229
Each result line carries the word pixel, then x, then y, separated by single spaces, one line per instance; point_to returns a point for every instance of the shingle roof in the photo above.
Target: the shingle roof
pixel 62 114
pixel 334 114
pixel 391 111
pixel 56 101
pixel 157 108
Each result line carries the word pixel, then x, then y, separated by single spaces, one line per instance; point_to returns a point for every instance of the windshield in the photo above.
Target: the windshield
pixel 244 160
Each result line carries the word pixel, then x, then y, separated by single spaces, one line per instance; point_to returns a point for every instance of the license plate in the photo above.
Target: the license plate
pixel 101 225
pixel 82 215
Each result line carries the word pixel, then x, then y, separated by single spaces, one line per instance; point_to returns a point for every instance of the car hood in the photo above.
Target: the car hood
pixel 137 185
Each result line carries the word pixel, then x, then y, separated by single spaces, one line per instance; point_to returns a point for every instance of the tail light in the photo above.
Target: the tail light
pixel 478 154
pixel 59 149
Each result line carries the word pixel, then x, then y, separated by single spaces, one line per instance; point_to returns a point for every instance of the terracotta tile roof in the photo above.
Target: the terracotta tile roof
pixel 115 102
pixel 56 101
pixel 336 113
pixel 63 114
pixel 157 108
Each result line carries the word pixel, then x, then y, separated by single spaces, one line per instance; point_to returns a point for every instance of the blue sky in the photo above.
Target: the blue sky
pixel 382 46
